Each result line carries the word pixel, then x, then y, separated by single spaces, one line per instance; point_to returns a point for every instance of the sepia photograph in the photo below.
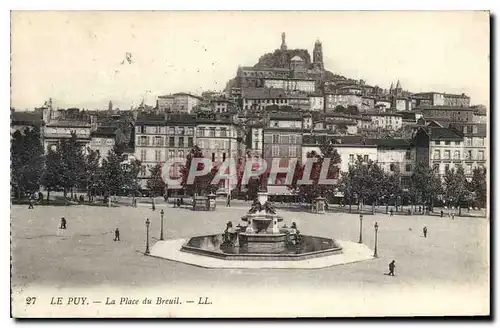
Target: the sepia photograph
pixel 250 164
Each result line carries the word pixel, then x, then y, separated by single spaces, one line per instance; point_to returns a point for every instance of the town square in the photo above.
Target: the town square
pixel 160 169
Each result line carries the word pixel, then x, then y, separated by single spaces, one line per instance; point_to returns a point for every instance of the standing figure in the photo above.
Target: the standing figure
pixel 392 212
pixel 228 204
pixel 63 223
pixel 153 204
pixel 442 213
pixel 425 232
pixel 31 207
pixel 117 235
pixel 453 216
pixel 392 266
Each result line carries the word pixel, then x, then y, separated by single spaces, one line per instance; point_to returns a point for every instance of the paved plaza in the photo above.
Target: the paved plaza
pixel 454 252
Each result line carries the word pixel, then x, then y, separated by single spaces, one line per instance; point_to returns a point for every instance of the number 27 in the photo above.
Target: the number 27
pixel 30 300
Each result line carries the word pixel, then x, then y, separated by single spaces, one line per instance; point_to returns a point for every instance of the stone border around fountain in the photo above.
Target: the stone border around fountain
pixel 171 250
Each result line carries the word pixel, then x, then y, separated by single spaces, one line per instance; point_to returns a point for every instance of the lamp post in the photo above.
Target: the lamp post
pixel 375 254
pixel 147 237
pixel 161 232
pixel 360 229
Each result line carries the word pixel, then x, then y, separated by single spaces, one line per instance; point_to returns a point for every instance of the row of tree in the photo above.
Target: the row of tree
pixel 70 166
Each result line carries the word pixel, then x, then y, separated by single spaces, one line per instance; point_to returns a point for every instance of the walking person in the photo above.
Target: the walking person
pixel 442 213
pixel 117 235
pixel 153 204
pixel 392 212
pixel 453 216
pixel 392 266
pixel 63 223
pixel 425 232
pixel 228 204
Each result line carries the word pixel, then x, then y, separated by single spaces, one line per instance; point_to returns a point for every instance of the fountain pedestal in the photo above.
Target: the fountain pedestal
pixel 262 234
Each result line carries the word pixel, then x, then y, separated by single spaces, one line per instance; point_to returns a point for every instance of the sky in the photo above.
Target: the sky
pixel 76 57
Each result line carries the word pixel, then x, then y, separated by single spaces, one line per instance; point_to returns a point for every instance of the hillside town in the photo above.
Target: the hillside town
pixel 286 106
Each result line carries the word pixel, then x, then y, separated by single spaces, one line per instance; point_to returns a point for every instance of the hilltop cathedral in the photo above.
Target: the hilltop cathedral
pixel 287 69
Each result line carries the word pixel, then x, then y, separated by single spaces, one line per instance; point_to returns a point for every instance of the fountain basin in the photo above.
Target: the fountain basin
pixel 277 250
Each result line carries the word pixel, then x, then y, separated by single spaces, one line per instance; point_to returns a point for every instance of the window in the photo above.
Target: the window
pixel 437 142
pixel 181 141
pixel 171 141
pixel 223 132
pixel 158 141
pixel 292 139
pixel 365 158
pixel 144 141
pixel 143 169
pixel 212 132
pixel 481 155
pixel 180 131
pixel 457 143
pixel 392 167
pixel 200 132
pixel 408 155
pixel 468 141
pixel 435 167
pixel 143 155
pixel 447 142
pixel 275 150
pixel 190 142
pixel 351 158
pixel 446 167
pixel 408 167
pixel 157 155
pixel 189 131
pixel 446 154
pixel 480 141
pixel 292 151
pixel 181 153
pixel 437 154
pixel 456 155
pixel 158 130
pixel 276 138
pixel 97 141
pixel 469 154
pixel 143 129
pixel 468 169
pixel 109 141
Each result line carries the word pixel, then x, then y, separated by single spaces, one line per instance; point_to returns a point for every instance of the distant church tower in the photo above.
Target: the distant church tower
pixel 318 55
pixel 283 41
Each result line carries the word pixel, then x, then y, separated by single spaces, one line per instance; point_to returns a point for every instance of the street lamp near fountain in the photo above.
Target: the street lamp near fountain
pixel 161 232
pixel 360 229
pixel 375 254
pixel 147 237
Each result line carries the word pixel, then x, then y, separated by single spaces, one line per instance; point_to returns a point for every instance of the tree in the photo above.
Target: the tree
pixel 329 156
pixel 374 184
pixel 427 184
pixel 391 189
pixel 72 163
pixel 201 184
pixel 131 177
pixel 346 185
pixel 27 161
pixel 478 186
pixel 91 178
pixel 113 172
pixel 455 185
pixel 51 178
pixel 155 181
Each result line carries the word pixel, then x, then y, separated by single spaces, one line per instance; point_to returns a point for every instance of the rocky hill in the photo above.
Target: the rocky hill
pixel 281 59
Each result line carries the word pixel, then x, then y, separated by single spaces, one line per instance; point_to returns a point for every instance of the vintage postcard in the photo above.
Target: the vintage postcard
pixel 250 164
